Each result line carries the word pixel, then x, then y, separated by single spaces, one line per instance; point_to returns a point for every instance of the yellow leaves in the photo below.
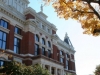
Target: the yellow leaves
pixel 78 10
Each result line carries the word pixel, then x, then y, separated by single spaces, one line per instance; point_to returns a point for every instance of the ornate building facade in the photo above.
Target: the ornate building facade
pixel 27 37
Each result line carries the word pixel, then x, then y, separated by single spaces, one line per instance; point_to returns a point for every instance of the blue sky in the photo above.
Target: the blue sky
pixel 87 47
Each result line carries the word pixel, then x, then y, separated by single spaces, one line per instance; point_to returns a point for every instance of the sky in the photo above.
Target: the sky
pixel 87 48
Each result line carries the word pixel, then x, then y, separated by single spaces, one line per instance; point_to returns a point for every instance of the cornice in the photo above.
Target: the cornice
pixel 66 46
pixel 9 11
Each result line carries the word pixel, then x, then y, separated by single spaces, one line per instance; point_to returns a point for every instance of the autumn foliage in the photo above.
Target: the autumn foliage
pixel 83 11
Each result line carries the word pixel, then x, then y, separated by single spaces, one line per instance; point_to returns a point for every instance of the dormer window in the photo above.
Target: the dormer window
pixel 17 30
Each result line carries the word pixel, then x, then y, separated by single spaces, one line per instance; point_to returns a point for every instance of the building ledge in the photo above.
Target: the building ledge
pixel 46 58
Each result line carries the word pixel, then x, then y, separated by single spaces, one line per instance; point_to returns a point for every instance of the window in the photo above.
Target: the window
pixel 17 30
pixel 67 64
pixel 61 52
pixel 66 55
pixel 36 49
pixel 52 71
pixel 1 63
pixel 43 51
pixel 3 23
pixel 43 26
pixel 49 45
pixel 61 60
pixel 3 37
pixel 16 45
pixel 43 41
pixel 48 30
pixel 36 38
pixel 49 53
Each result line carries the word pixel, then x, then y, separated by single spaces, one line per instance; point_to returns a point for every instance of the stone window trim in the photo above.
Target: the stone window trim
pixel 67 58
pixel 18 27
pixel 73 60
pixel 18 36
pixel 4 29
pixel 5 19
pixel 37 42
pixel 61 56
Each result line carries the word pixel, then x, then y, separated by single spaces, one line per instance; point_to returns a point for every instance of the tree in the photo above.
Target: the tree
pixel 15 68
pixel 84 11
pixel 97 70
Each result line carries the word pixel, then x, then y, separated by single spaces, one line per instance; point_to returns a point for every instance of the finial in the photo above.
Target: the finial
pixel 41 8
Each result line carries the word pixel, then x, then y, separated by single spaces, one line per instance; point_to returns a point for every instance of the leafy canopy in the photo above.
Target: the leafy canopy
pixel 81 10
pixel 97 70
pixel 15 68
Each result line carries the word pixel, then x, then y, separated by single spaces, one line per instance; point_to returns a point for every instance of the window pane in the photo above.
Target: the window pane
pixel 61 53
pixel 1 35
pixel 15 41
pixel 16 45
pixel 2 22
pixel 18 42
pixel 4 45
pixel 49 44
pixel 36 49
pixel 37 38
pixel 1 63
pixel 4 37
pixel 49 53
pixel 43 41
pixel 5 24
pixel 15 49
pixel 43 50
pixel 16 30
pixel 19 31
pixel 0 43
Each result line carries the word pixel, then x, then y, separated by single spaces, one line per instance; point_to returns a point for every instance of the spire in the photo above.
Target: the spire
pixel 66 39
pixel 41 8
pixel 66 35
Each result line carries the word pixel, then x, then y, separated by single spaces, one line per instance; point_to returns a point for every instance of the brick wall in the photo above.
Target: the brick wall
pixel 28 42
pixel 55 51
pixel 10 37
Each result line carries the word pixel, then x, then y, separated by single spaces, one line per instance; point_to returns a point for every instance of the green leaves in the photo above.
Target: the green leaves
pixel 15 68
pixel 97 70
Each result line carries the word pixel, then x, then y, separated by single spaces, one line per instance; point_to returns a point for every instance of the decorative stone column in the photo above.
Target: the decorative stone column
pixel 50 69
pixel 55 71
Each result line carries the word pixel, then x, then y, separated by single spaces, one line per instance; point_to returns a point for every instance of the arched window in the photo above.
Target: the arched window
pixel 49 44
pixel 36 38
pixel 43 41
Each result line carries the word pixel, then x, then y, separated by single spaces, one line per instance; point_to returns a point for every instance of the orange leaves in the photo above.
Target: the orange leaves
pixel 78 10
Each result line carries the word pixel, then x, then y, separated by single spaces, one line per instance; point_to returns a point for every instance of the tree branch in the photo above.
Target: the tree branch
pixel 81 11
pixel 95 12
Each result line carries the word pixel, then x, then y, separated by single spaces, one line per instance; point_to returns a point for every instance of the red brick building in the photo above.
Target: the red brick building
pixel 27 37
